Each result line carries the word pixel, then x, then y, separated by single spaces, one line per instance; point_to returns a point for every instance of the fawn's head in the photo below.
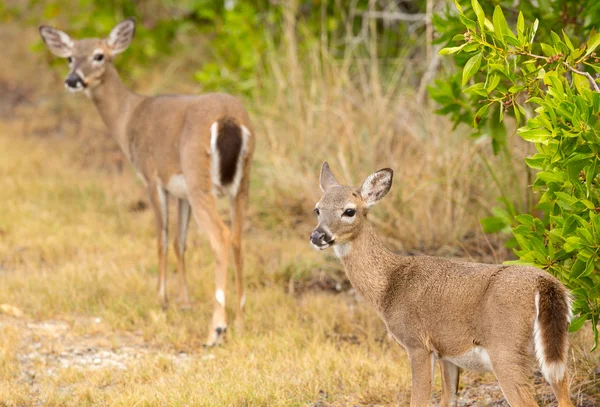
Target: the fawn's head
pixel 88 57
pixel 342 211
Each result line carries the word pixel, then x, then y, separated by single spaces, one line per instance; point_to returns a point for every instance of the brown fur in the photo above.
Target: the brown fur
pixel 444 308
pixel 164 137
pixel 229 144
pixel 553 307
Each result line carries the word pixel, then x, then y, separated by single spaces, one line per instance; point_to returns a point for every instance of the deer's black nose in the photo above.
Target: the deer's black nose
pixel 74 81
pixel 320 238
pixel 317 236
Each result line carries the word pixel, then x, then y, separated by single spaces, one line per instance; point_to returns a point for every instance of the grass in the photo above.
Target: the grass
pixel 78 258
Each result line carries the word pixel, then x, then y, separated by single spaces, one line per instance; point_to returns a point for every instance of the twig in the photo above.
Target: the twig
pixel 586 74
pixel 569 67
pixel 395 15
pixel 428 75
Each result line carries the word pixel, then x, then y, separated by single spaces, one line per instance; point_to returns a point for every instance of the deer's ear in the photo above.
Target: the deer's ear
pixel 121 36
pixel 327 180
pixel 376 186
pixel 58 42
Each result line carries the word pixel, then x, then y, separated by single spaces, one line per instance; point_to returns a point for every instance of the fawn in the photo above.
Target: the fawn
pixel 194 148
pixel 474 316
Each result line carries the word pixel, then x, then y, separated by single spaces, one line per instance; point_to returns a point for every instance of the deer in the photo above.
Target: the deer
pixel 195 148
pixel 481 317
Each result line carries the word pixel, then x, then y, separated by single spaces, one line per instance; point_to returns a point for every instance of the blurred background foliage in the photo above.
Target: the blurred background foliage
pixel 239 33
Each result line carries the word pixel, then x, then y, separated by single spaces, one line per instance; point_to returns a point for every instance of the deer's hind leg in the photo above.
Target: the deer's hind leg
pixel 204 210
pixel 159 203
pixel 561 391
pixel 183 220
pixel 512 368
pixel 238 212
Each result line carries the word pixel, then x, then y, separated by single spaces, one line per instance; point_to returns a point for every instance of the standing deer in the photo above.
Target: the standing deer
pixel 194 148
pixel 466 315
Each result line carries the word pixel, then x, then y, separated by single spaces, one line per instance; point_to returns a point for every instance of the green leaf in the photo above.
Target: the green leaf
pixel 534 28
pixel 525 219
pixel 577 323
pixel 593 44
pixel 493 224
pixel 492 83
pixel 516 89
pixel 471 67
pixel 452 50
pixel 535 135
pixel 480 113
pixel 521 26
pixel 581 83
pixel 548 50
pixel 500 25
pixel 479 13
pixel 568 42
pixel 458 6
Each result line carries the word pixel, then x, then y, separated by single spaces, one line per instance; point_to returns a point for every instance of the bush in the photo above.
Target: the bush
pixel 510 73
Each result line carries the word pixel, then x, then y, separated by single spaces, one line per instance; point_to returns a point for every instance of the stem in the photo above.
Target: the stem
pixel 586 74
pixel 569 67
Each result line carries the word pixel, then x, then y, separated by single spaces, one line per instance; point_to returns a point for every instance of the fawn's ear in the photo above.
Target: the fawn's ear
pixel 121 36
pixel 58 42
pixel 327 180
pixel 376 186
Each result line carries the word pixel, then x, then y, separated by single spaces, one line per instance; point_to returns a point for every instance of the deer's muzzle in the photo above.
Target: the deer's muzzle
pixel 320 239
pixel 74 82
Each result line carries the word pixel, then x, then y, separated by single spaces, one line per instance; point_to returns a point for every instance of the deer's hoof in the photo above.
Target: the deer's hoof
pixel 215 337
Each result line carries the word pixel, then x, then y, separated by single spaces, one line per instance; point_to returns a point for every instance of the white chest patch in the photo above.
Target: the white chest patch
pixel 177 186
pixel 476 359
pixel 342 250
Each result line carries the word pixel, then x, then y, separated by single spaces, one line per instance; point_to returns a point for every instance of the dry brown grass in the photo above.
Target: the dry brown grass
pixel 81 263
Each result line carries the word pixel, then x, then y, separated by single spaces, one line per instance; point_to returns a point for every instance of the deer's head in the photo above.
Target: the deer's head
pixel 88 57
pixel 342 211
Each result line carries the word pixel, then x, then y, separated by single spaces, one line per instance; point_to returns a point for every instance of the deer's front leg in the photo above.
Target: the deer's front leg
pixel 420 364
pixel 158 200
pixel 450 376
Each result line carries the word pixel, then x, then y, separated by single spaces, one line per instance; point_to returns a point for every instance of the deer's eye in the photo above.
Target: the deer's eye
pixel 98 57
pixel 350 212
pixel 317 211
pixel 70 59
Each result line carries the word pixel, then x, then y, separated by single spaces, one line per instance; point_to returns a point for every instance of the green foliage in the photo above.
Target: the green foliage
pixel 514 73
pixel 241 40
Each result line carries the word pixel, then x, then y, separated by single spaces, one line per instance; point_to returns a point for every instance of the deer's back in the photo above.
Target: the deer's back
pixel 451 305
pixel 161 125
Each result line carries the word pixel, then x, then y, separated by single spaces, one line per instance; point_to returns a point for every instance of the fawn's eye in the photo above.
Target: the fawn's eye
pixel 70 59
pixel 98 57
pixel 350 212
pixel 317 211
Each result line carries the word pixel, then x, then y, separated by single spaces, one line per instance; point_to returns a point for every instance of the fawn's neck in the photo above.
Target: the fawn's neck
pixel 115 103
pixel 368 264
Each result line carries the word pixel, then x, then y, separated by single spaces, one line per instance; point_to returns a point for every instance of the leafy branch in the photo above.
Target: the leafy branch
pixel 502 70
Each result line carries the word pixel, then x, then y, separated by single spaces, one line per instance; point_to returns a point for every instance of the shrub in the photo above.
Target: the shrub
pixel 508 72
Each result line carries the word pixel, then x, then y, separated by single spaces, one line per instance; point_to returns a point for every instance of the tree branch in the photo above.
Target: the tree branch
pixel 569 67
pixel 395 15
pixel 586 74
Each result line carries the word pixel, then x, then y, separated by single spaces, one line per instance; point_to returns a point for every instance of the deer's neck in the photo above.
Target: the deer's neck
pixel 115 103
pixel 368 264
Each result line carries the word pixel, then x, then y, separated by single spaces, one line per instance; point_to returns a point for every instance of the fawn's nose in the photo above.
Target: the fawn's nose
pixel 320 238
pixel 74 81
